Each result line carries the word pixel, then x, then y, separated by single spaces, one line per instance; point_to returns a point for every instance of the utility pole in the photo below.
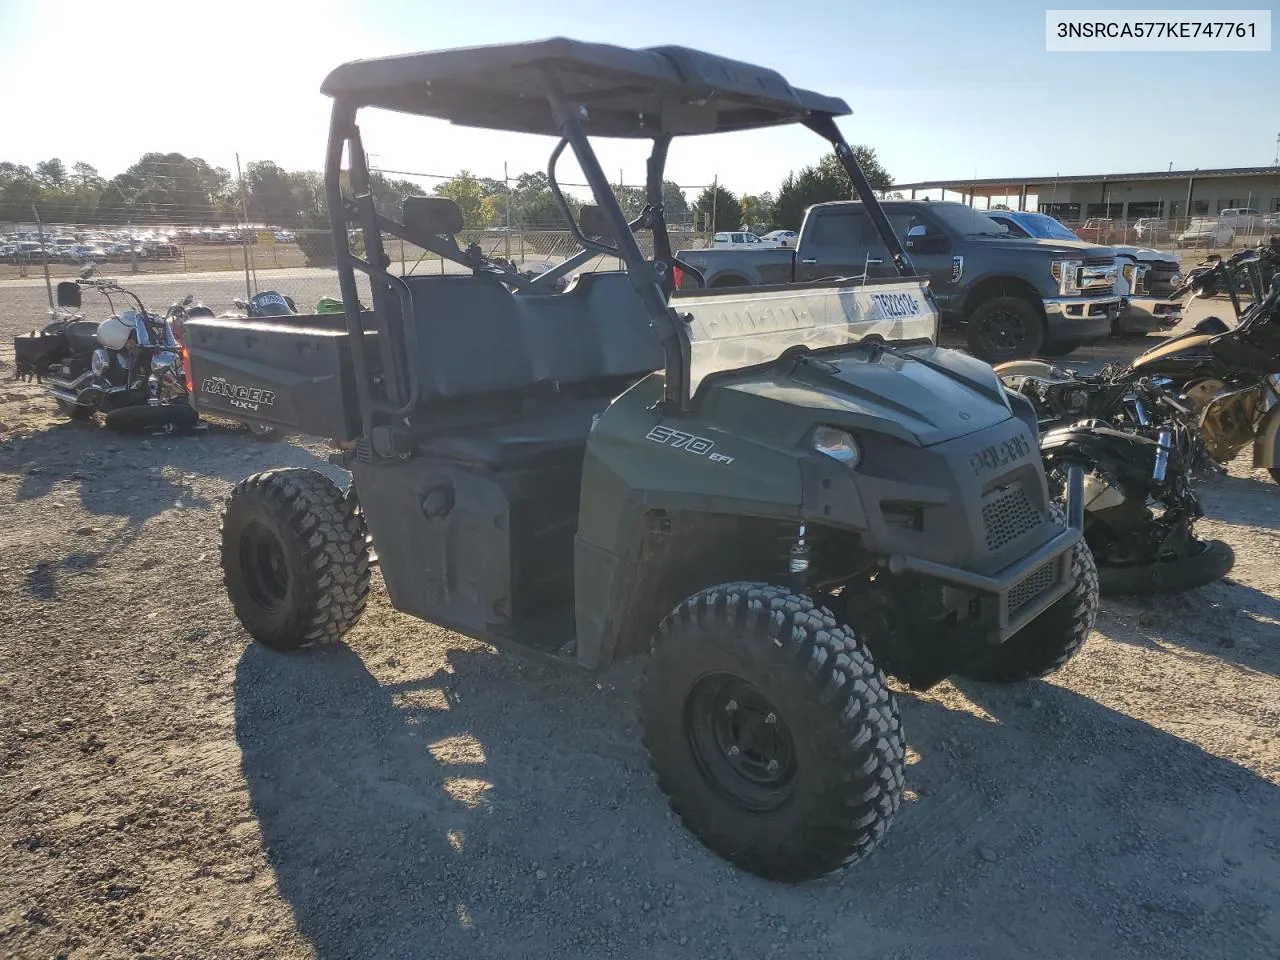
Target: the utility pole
pixel 715 197
pixel 506 236
pixel 44 255
pixel 244 219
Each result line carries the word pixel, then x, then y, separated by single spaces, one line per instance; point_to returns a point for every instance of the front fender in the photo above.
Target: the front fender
pixel 1266 441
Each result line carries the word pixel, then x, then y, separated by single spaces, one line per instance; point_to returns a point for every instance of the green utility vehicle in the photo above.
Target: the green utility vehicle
pixel 780 494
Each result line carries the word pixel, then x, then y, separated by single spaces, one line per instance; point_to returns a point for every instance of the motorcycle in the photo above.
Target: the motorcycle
pixel 268 303
pixel 1139 506
pixel 128 367
pixel 1222 379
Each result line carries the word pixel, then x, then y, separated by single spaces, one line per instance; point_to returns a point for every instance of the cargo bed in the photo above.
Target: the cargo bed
pixel 294 373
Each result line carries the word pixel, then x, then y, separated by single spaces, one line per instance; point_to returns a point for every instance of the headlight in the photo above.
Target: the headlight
pixel 1067 272
pixel 98 362
pixel 837 445
pixel 1128 272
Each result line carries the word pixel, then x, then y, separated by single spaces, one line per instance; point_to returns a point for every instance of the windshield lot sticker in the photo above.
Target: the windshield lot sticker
pixel 890 306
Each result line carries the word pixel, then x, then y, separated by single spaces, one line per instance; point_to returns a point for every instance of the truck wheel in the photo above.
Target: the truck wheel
pixel 76 411
pixel 295 558
pixel 772 731
pixel 1045 644
pixel 1004 328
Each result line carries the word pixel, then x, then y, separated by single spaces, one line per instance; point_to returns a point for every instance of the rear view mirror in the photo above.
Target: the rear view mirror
pixel 69 294
pixel 593 223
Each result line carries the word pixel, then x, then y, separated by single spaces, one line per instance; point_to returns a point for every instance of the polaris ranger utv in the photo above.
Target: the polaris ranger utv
pixel 780 494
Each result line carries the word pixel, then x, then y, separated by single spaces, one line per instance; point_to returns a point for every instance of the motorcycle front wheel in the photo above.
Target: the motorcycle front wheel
pixel 75 411
pixel 1211 562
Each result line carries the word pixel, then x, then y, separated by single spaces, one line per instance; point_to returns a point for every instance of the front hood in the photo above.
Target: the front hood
pixel 1145 254
pixel 920 395
pixel 1053 248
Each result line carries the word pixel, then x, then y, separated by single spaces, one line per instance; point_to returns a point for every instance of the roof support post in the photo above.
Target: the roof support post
pixel 569 117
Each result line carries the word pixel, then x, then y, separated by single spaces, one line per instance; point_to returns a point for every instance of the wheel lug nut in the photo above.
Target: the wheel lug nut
pixel 734 751
pixel 731 706
pixel 771 718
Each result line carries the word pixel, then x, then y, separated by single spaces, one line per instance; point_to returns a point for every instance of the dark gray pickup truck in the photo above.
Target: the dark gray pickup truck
pixel 1015 297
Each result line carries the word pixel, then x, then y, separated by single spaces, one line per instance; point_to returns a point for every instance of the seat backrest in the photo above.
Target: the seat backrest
pixel 477 337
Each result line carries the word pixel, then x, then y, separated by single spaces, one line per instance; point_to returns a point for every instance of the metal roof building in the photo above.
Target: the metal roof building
pixel 1128 196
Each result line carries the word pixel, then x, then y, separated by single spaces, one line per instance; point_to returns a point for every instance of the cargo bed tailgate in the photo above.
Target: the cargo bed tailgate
pixel 294 373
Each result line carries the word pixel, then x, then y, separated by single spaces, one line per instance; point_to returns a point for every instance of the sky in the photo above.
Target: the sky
pixel 940 89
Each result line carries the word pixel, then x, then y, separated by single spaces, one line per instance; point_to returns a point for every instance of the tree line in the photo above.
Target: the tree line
pixel 170 188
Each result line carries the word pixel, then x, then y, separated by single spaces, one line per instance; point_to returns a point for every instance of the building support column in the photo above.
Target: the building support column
pixel 1191 188
pixel 1022 198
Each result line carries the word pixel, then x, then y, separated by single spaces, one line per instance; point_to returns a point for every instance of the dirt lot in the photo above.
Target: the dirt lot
pixel 168 790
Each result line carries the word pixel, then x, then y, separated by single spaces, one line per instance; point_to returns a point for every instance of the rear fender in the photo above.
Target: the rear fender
pixel 1266 441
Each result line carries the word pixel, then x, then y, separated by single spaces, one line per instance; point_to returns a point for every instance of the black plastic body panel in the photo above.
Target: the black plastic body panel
pixel 484 552
pixel 296 375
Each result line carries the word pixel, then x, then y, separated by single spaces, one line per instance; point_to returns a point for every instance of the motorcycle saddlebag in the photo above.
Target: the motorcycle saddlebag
pixel 35 352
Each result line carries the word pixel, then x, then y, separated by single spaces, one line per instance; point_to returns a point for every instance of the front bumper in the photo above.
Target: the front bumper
pixel 1081 319
pixel 1013 608
pixel 1145 314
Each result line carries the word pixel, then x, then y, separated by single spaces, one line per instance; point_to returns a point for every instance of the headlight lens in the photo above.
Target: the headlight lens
pixel 837 445
pixel 1128 274
pixel 1066 272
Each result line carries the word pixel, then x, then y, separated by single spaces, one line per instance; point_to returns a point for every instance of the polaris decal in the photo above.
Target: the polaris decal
pixel 244 398
pixel 680 440
pixel 999 455
pixel 893 305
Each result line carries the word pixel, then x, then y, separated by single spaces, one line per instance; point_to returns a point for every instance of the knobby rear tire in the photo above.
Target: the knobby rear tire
pixel 295 558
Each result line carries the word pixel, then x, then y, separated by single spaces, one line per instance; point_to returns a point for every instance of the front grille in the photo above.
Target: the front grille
pixel 1098 262
pixel 1006 515
pixel 1032 585
pixel 1159 283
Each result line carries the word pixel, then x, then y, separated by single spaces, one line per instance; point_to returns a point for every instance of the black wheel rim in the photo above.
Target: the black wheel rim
pixel 1002 332
pixel 742 746
pixel 266 572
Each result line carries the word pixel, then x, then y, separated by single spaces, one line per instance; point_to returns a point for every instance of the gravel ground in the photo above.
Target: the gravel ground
pixel 168 790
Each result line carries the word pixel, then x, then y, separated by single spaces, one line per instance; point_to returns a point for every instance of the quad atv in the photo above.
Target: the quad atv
pixel 780 494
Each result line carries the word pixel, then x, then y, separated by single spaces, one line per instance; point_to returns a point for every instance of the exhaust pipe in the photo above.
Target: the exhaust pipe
pixel 1164 446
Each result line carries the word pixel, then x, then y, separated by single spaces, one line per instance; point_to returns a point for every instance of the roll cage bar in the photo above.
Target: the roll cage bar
pixel 570 117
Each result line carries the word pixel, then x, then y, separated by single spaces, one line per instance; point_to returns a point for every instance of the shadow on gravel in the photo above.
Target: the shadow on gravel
pixel 1227 619
pixel 493 811
pixel 1250 501
pixel 125 481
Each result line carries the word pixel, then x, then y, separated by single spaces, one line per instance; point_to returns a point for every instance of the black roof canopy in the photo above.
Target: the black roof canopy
pixel 627 93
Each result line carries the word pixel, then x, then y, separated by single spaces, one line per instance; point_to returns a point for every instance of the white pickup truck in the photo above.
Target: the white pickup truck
pixel 1145 278
pixel 741 240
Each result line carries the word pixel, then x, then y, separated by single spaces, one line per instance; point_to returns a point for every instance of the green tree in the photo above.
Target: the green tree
pixel 720 202
pixel 825 182
pixel 19 190
pixel 51 173
pixel 675 208
pixel 86 176
pixel 113 206
pixel 757 211
pixel 473 197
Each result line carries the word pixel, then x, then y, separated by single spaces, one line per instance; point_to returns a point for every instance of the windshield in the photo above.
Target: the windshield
pixel 1047 227
pixel 967 221
pixel 730 331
